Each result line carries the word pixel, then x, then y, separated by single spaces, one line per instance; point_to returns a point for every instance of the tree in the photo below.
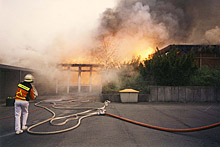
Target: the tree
pixel 105 53
pixel 173 68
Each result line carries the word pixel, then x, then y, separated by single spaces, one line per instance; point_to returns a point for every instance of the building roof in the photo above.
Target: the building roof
pixel 81 65
pixel 9 67
pixel 198 48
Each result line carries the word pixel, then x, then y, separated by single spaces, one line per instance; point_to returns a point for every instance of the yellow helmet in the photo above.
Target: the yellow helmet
pixel 28 78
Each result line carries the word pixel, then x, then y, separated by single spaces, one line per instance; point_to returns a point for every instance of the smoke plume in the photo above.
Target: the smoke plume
pixel 213 35
pixel 136 24
pixel 41 34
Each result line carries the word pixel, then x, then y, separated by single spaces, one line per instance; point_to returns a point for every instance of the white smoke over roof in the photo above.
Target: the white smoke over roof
pixel 213 35
pixel 169 21
pixel 44 32
pixel 137 25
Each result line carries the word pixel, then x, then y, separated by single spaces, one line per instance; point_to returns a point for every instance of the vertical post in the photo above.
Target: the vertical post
pixel 79 80
pixel 90 79
pixel 56 86
pixel 68 81
pixel 101 73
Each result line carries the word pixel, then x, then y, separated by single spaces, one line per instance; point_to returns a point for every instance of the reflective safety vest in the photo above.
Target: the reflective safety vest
pixel 24 92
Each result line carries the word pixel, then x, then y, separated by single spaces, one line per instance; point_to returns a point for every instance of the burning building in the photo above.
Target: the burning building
pixel 205 55
pixel 132 28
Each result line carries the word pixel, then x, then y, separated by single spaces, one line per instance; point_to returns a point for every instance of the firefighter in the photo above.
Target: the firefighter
pixel 24 93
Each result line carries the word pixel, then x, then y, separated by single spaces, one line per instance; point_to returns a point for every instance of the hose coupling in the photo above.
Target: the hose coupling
pixel 106 103
pixel 101 111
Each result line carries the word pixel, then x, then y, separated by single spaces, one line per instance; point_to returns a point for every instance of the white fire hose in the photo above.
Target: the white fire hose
pixel 84 114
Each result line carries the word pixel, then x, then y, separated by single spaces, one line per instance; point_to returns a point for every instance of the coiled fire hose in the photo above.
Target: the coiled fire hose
pixel 91 112
pixel 102 111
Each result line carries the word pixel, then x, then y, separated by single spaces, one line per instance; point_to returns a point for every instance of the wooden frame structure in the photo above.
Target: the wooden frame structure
pixel 67 67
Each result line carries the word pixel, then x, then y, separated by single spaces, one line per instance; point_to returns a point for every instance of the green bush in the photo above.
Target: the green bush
pixel 173 68
pixel 129 77
pixel 134 82
pixel 110 87
pixel 206 77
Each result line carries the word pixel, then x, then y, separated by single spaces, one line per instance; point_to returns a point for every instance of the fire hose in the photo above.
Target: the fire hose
pixel 161 128
pixel 102 111
pixel 91 112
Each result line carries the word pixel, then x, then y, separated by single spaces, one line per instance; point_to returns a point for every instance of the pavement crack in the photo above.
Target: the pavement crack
pixel 173 117
pixel 210 114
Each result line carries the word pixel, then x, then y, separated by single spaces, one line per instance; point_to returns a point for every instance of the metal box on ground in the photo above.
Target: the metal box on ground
pixel 10 101
pixel 129 95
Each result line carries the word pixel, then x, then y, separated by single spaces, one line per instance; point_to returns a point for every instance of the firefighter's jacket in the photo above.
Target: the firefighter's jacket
pixel 24 92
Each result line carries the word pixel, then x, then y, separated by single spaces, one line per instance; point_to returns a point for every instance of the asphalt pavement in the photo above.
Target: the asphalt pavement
pixel 104 131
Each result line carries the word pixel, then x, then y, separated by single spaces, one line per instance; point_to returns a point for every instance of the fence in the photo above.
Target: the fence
pixel 184 94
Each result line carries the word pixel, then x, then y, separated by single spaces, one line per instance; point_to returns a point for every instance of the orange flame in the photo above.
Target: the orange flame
pixel 144 54
pixel 78 60
pixel 144 50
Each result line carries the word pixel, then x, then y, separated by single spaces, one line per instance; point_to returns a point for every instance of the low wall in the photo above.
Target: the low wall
pixel 116 97
pixel 111 97
pixel 173 94
pixel 184 94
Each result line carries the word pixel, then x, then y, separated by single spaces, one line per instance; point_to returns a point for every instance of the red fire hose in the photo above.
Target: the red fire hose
pixel 164 129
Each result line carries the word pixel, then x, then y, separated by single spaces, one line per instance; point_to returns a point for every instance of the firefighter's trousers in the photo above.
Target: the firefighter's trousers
pixel 21 107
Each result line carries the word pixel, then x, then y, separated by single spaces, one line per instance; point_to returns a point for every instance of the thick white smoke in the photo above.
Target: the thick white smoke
pixel 213 35
pixel 41 34
pixel 137 25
